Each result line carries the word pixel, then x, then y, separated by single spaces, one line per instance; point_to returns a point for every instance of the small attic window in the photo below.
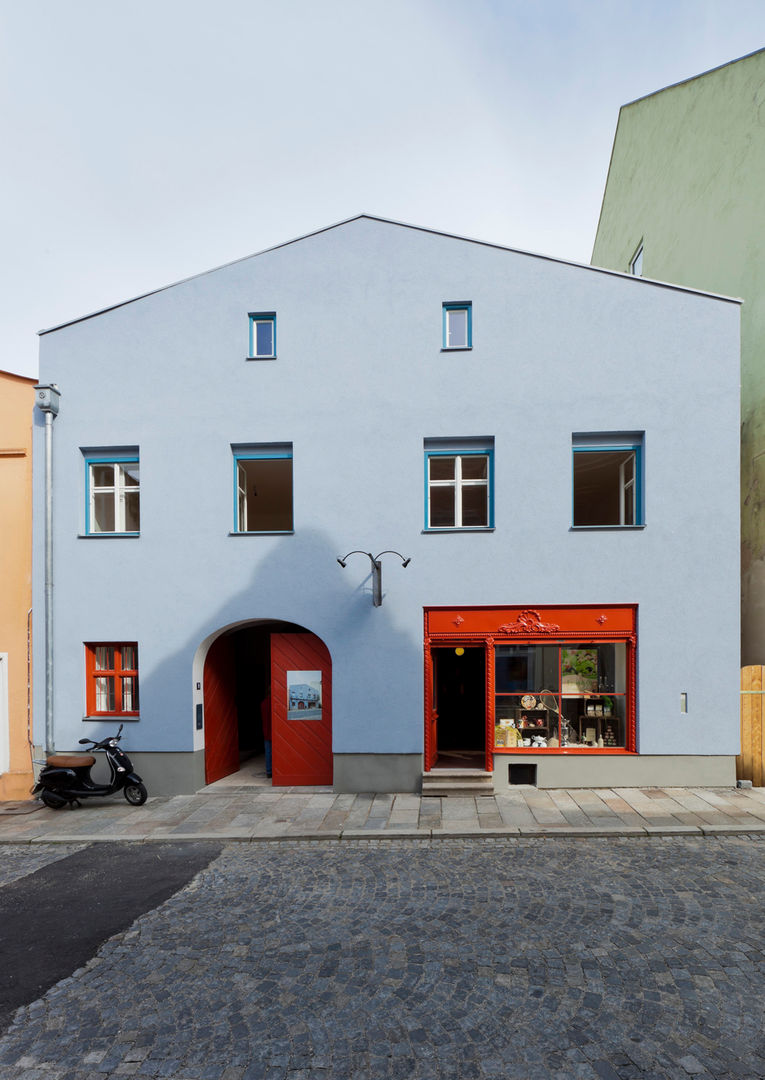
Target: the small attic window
pixel 262 335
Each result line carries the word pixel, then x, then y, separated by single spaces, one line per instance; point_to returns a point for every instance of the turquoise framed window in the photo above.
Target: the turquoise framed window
pixel 457 325
pixel 459 484
pixel 262 335
pixel 112 494
pixel 608 480
pixel 263 488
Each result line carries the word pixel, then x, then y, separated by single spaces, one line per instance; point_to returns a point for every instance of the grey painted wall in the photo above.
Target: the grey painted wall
pixel 359 382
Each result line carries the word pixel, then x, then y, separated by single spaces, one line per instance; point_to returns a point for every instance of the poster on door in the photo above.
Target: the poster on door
pixel 304 695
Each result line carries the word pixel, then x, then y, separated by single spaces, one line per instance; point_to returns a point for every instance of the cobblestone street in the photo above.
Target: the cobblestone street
pixel 523 958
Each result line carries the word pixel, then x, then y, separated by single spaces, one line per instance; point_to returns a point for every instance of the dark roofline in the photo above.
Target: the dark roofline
pixel 15 375
pixel 692 78
pixel 385 221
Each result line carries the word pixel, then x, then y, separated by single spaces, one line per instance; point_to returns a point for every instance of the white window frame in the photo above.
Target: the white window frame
pixel 260 318
pixel 258 452
pixel 449 310
pixel 632 489
pixel 458 484
pixel 118 489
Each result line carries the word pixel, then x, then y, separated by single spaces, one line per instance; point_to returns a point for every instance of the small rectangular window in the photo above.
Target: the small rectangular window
pixel 607 479
pixel 263 488
pixel 111 671
pixel 459 483
pixel 458 325
pixel 113 493
pixel 262 335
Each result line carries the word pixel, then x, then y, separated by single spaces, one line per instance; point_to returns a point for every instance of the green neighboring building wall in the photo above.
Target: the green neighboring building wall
pixel 687 180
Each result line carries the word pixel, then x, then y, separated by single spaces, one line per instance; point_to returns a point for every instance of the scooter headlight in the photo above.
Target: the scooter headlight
pixel 112 742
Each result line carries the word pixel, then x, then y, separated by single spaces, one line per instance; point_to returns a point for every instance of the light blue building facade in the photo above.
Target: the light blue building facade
pixel 551 448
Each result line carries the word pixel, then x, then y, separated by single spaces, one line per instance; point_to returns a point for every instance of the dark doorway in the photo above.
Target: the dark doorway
pixel 237 677
pixel 459 696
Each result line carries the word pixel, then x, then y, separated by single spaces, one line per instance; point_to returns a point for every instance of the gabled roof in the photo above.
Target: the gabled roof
pixel 397 224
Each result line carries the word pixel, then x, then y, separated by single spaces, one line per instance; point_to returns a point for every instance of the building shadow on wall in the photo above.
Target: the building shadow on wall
pixel 298 586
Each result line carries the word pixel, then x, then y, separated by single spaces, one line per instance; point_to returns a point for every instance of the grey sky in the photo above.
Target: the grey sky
pixel 148 141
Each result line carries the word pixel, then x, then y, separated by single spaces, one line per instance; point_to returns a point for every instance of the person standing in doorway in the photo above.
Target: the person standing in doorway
pixel 265 716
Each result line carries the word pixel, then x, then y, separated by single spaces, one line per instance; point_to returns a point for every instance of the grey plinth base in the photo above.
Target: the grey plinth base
pixel 377 772
pixel 613 771
pixel 170 773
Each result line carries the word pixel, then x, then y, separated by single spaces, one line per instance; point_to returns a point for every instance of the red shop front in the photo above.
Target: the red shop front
pixel 551 680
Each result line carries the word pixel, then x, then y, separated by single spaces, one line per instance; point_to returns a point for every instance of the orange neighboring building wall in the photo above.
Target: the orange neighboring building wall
pixel 16 408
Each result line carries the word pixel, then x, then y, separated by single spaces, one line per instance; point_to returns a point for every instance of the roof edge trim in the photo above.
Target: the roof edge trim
pixel 399 224
pixel 692 78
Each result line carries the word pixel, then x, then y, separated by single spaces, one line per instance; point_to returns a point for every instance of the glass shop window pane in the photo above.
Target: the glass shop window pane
pixel 525 668
pixel 475 505
pixel 456 324
pixel 268 494
pixel 594 668
pixel 475 467
pixel 441 468
pixel 595 721
pixel 132 511
pixel 597 486
pixel 102 475
pixel 264 338
pixel 442 507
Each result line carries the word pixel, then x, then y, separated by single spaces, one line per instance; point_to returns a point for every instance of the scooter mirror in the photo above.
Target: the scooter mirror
pixel 85 740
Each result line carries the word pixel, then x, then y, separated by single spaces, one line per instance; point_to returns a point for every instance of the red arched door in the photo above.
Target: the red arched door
pixel 301 697
pixel 221 724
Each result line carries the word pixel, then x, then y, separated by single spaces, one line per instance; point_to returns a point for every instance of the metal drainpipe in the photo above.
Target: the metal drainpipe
pixel 47 397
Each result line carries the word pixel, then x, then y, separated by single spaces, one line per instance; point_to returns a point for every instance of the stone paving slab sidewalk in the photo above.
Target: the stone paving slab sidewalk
pixel 266 813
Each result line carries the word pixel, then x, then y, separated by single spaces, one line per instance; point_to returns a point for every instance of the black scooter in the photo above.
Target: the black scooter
pixel 66 777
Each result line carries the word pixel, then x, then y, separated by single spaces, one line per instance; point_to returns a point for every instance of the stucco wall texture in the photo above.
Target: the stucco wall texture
pixel 16 407
pixel 686 179
pixel 360 381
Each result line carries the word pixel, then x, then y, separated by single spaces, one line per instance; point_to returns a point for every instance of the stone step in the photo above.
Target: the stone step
pixel 456 783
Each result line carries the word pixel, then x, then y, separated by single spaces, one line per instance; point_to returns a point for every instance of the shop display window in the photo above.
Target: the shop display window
pixel 563 695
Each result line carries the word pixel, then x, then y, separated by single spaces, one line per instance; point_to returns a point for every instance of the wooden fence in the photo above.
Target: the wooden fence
pixel 750 764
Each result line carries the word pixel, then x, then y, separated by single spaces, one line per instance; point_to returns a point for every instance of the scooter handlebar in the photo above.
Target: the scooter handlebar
pixel 104 742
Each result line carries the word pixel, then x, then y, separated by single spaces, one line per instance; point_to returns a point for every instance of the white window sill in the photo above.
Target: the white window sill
pixel 605 528
pixel 110 718
pixel 109 536
pixel 462 529
pixel 271 532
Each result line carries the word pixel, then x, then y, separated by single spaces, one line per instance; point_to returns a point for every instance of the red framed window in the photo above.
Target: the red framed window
pixel 112 678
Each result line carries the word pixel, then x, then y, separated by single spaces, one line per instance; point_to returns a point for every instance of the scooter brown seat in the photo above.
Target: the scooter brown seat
pixel 70 761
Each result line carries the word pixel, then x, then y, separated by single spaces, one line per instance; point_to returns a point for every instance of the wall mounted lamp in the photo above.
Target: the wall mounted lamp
pixel 377 594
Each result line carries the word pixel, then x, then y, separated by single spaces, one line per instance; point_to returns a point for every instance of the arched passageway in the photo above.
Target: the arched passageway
pixel 262 667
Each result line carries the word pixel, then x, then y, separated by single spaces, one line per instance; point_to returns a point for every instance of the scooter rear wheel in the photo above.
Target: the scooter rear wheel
pixel 136 794
pixel 53 802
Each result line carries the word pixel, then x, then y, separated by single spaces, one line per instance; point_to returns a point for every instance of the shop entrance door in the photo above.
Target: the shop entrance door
pixel 458 723
pixel 301 710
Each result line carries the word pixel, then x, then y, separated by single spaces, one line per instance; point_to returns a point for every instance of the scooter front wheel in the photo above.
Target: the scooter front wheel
pixel 136 794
